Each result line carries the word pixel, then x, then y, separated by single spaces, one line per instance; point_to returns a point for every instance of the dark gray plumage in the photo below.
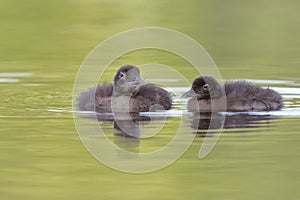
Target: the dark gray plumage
pixel 232 96
pixel 127 94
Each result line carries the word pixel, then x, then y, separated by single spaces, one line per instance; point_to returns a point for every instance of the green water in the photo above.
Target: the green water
pixel 41 154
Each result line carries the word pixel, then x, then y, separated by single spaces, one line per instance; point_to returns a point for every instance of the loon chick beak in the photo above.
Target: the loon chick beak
pixel 136 81
pixel 189 93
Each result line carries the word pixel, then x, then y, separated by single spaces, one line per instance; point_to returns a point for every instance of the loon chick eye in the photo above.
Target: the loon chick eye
pixel 205 87
pixel 122 75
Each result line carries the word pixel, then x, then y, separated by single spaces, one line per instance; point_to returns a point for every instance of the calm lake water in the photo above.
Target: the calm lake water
pixel 43 44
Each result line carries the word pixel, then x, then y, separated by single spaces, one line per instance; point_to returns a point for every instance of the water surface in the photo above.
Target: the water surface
pixel 42 45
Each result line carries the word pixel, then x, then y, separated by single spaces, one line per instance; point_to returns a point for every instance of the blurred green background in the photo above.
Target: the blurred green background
pixel 41 155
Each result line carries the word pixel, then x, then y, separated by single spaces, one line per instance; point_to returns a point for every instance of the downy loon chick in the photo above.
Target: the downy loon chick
pixel 128 93
pixel 232 96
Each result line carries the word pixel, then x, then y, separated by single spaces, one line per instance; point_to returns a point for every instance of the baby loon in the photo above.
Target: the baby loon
pixel 239 96
pixel 128 93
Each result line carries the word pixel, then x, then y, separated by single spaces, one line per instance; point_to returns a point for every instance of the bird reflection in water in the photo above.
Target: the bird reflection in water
pixel 202 124
pixel 129 128
pixel 210 123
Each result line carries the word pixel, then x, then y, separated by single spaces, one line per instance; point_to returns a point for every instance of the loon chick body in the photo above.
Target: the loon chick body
pixel 128 93
pixel 208 96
